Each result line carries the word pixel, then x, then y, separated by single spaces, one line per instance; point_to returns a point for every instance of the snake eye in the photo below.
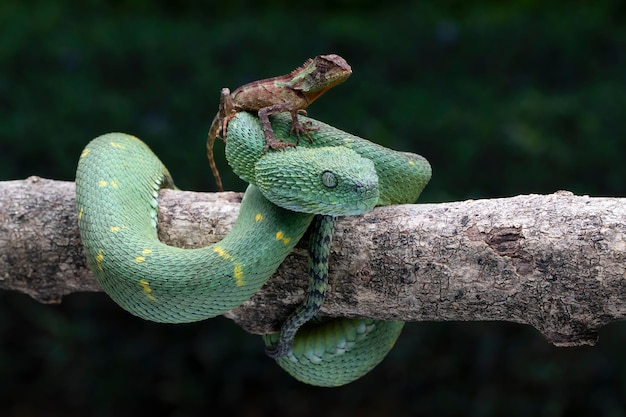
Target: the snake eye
pixel 329 180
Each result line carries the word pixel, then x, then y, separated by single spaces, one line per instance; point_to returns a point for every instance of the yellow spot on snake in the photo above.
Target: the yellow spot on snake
pixel 103 183
pixel 80 213
pixel 85 152
pixel 281 236
pixel 140 259
pixel 114 184
pixel 239 275
pixel 411 163
pixel 147 290
pixel 221 252
pixel 118 145
pixel 99 258
pixel 258 217
pixel 114 229
pixel 238 271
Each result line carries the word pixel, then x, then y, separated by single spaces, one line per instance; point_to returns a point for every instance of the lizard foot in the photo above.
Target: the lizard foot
pixel 301 128
pixel 276 144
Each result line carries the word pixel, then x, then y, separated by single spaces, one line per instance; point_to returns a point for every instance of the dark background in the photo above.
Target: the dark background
pixel 503 98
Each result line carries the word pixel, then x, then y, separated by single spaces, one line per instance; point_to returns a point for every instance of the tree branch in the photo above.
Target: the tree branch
pixel 556 262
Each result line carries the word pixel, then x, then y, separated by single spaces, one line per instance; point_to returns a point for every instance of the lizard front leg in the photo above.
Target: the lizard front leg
pixel 268 132
pixel 296 126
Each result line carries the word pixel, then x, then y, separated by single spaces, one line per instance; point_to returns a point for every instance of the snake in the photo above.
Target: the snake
pixel 118 179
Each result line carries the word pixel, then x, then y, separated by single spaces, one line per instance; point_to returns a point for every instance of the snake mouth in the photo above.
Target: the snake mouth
pixel 368 198
pixel 363 202
pixel 358 204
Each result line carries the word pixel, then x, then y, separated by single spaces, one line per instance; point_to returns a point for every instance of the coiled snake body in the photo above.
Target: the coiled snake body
pixel 117 183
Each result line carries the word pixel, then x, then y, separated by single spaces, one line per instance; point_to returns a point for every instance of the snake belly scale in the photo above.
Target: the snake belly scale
pixel 117 183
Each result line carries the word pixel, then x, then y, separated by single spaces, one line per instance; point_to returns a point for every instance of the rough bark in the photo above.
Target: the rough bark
pixel 556 262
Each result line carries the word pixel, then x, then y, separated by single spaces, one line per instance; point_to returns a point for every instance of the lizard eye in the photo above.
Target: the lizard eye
pixel 329 180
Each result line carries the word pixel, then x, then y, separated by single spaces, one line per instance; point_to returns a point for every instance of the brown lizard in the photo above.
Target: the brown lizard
pixel 292 92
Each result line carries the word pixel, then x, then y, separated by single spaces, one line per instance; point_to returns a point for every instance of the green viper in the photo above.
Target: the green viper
pixel 117 184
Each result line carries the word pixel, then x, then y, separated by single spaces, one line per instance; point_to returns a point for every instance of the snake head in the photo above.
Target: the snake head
pixel 334 181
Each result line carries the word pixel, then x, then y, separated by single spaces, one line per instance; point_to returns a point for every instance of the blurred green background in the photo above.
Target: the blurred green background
pixel 503 98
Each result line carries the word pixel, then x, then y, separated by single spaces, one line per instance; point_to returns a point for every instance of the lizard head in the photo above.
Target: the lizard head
pixel 319 74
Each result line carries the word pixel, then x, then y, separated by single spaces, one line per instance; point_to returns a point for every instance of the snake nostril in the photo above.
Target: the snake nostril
pixel 362 189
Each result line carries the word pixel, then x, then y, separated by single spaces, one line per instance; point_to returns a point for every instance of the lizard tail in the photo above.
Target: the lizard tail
pixel 210 142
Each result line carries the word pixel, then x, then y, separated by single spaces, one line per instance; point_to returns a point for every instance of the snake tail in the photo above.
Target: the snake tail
pixel 328 352
pixel 319 251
